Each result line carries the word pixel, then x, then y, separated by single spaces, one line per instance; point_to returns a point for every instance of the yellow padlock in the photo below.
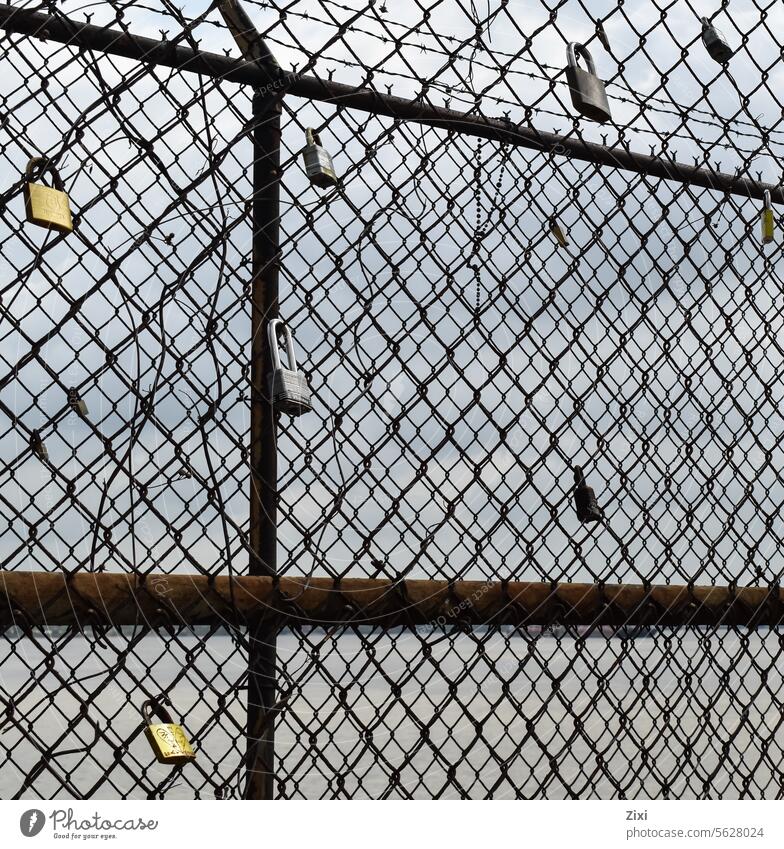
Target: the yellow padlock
pixel 45 206
pixel 767 221
pixel 168 740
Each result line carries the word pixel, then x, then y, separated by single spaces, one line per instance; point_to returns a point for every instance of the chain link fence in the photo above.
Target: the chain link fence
pixel 481 304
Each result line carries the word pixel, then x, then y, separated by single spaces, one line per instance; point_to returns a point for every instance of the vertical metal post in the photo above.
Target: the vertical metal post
pixel 267 108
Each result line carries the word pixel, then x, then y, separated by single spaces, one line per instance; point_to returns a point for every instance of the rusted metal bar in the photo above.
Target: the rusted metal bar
pixel 118 43
pixel 43 598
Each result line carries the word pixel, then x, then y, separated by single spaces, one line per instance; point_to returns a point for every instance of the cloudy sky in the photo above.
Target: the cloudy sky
pixel 647 352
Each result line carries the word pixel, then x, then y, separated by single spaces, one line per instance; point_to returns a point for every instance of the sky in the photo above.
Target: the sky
pixel 647 352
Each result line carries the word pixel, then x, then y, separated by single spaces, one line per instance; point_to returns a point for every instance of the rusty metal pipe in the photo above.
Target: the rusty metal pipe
pixel 44 598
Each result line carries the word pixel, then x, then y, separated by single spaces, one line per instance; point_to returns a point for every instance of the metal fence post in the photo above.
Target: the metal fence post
pixel 267 110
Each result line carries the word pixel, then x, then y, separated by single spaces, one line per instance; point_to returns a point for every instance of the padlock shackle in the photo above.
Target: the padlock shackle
pixel 766 199
pixel 44 164
pixel 272 334
pixel 312 137
pixel 579 477
pixel 575 49
pixel 152 707
pixel 272 330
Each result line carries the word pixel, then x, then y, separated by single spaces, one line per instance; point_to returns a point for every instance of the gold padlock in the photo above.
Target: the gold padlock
pixel 167 739
pixel 767 220
pixel 45 206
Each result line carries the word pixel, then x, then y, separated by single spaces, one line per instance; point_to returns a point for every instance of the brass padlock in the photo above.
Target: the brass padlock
pixel 766 219
pixel 589 97
pixel 167 739
pixel 715 43
pixel 45 206
pixel 318 163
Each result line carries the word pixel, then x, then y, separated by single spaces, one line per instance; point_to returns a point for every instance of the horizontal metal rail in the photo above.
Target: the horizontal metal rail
pixel 101 598
pixel 168 54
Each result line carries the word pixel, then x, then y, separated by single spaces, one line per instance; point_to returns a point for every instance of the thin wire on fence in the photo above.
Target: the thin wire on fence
pixel 475 316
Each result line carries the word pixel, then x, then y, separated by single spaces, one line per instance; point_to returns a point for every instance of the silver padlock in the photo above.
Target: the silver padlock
pixel 715 43
pixel 289 389
pixel 588 93
pixel 318 163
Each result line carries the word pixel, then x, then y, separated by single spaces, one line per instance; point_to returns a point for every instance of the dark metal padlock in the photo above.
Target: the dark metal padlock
pixel 45 206
pixel 167 739
pixel 289 389
pixel 588 93
pixel 715 43
pixel 585 502
pixel 318 163
pixel 77 403
pixel 558 233
pixel 38 447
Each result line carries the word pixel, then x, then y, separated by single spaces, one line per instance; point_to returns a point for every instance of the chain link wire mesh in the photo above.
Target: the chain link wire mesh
pixel 462 362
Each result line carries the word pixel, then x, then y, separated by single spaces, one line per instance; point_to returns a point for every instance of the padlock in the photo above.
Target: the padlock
pixel 602 34
pixel 585 499
pixel 37 446
pixel 588 93
pixel 45 206
pixel 289 389
pixel 715 43
pixel 766 219
pixel 318 163
pixel 76 403
pixel 167 739
pixel 558 234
